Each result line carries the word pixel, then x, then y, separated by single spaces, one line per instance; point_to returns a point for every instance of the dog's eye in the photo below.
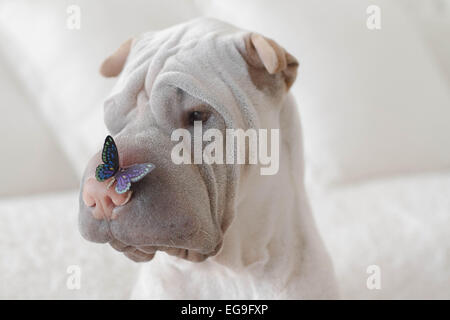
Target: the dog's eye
pixel 198 116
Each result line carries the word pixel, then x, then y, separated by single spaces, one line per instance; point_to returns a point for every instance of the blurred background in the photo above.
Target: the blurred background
pixel 374 106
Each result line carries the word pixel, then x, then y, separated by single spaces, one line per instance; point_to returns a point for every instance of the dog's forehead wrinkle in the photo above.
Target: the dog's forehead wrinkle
pixel 207 51
pixel 187 99
pixel 225 105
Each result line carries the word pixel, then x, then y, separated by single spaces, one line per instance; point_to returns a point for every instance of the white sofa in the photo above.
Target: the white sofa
pixel 375 109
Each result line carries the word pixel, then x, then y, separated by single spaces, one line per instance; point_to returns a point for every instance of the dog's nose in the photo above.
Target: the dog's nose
pixel 103 199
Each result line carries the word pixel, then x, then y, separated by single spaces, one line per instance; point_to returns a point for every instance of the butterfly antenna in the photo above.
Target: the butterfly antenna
pixel 113 179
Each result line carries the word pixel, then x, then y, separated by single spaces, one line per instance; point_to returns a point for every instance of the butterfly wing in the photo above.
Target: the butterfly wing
pixel 110 157
pixel 103 172
pixel 123 182
pixel 130 174
pixel 110 154
pixel 138 171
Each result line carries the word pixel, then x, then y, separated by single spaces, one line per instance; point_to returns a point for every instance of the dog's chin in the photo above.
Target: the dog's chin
pixel 147 253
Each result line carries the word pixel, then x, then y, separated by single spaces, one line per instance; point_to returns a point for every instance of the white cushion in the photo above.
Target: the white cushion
pixel 432 19
pixel 39 241
pixel 399 224
pixel 372 103
pixel 31 159
pixel 60 66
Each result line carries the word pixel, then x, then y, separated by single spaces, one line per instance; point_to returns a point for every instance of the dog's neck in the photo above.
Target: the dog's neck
pixel 271 220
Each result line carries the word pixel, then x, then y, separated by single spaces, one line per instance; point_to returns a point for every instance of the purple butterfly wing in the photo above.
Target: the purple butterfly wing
pixel 123 182
pixel 138 171
pixel 130 174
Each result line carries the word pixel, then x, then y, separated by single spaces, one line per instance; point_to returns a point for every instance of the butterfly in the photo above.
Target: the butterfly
pixel 110 168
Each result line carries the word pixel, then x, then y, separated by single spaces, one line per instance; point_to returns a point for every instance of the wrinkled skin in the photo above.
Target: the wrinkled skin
pixel 172 208
pixel 184 209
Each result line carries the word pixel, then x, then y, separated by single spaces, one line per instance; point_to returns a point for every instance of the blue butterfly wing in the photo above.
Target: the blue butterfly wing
pixel 110 157
pixel 103 172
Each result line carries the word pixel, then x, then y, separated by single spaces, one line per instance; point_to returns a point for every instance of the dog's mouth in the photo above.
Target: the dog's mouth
pixel 146 253
pixel 143 249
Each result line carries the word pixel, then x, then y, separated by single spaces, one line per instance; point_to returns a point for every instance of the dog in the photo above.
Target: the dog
pixel 207 231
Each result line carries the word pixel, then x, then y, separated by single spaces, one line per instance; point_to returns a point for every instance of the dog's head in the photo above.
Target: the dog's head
pixel 206 71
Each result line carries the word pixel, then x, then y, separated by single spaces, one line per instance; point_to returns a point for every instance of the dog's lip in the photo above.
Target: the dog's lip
pixel 149 251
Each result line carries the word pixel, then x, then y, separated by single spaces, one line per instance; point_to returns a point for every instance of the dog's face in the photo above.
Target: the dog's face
pixel 168 83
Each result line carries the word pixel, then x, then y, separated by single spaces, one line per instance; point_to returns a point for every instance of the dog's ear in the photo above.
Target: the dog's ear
pixel 113 65
pixel 266 59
